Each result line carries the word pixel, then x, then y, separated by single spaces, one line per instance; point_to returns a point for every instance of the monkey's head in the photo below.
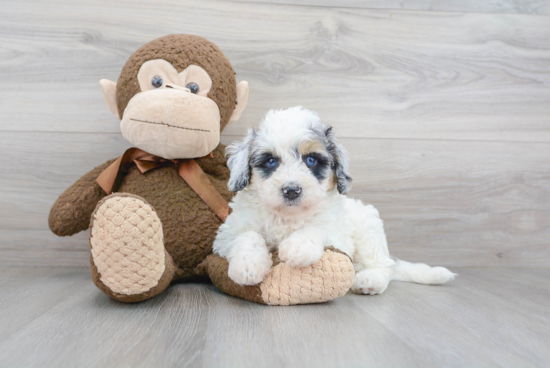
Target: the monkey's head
pixel 175 95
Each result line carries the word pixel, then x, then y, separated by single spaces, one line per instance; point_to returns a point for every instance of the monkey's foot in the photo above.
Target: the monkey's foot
pixel 128 258
pixel 326 280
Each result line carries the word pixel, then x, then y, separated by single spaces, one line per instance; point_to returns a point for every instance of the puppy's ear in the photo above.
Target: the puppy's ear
pixel 239 162
pixel 340 160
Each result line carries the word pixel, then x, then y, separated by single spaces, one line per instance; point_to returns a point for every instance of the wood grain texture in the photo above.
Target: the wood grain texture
pixel 28 293
pixel 441 203
pixel 487 317
pixel 373 73
pixel 446 115
pixel 541 7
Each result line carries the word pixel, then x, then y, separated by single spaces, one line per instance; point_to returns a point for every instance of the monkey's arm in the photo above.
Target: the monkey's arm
pixel 328 279
pixel 71 212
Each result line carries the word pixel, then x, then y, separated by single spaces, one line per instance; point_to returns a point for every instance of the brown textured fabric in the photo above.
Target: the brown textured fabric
pixel 216 268
pixel 193 175
pixel 189 224
pixel 133 156
pixel 188 169
pixel 181 51
pixel 71 213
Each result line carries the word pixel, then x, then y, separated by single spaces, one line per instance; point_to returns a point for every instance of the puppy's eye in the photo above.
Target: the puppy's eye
pixel 271 162
pixel 311 161
pixel 156 81
pixel 193 87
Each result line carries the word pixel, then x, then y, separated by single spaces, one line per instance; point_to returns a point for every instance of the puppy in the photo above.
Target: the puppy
pixel 291 176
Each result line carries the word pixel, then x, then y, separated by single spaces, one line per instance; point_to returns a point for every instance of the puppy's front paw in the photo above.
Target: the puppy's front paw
pixel 300 251
pixel 371 281
pixel 250 269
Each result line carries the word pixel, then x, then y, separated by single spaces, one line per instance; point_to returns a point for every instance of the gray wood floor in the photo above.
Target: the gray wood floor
pixel 444 106
pixel 492 317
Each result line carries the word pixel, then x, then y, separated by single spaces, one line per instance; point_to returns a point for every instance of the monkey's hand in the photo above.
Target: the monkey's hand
pixel 71 212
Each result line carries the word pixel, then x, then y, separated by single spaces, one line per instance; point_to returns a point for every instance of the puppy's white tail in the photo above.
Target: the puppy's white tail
pixel 421 273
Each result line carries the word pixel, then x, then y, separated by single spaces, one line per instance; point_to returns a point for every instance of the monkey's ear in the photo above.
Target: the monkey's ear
pixel 109 93
pixel 242 99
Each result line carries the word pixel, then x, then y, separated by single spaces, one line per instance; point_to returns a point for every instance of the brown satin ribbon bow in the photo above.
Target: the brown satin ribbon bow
pixel 188 169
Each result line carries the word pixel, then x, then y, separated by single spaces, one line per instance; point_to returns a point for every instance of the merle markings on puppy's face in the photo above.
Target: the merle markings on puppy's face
pixel 318 164
pixel 340 166
pixel 265 163
pixel 291 149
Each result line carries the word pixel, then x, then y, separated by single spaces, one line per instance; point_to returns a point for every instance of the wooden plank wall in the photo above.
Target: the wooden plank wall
pixel 444 107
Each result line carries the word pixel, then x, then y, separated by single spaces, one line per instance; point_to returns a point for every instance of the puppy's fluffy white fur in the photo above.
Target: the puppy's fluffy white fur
pixel 293 152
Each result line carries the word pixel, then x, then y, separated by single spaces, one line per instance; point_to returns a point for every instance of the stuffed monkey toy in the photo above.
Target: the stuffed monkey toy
pixel 153 212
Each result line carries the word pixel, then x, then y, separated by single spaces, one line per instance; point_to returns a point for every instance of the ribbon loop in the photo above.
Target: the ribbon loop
pixel 188 169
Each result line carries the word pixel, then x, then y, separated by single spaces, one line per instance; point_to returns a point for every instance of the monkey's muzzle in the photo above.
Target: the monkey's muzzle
pixel 172 123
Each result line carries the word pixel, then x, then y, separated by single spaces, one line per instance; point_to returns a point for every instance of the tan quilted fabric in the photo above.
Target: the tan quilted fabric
pixel 326 280
pixel 127 244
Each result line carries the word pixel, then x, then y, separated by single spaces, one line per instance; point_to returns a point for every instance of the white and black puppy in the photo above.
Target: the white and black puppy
pixel 291 175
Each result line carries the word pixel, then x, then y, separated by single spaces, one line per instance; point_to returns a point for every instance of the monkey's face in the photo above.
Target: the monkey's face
pixel 172 116
pixel 176 106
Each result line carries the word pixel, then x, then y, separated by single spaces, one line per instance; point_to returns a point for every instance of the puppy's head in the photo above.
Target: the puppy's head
pixel 292 162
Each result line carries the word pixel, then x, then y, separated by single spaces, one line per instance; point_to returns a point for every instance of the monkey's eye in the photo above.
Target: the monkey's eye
pixel 193 87
pixel 311 161
pixel 156 81
pixel 272 162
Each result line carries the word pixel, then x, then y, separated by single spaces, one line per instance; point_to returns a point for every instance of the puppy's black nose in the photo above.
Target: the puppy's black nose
pixel 292 191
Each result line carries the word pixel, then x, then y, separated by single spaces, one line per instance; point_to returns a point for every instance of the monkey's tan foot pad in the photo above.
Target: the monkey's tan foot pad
pixel 326 280
pixel 127 245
